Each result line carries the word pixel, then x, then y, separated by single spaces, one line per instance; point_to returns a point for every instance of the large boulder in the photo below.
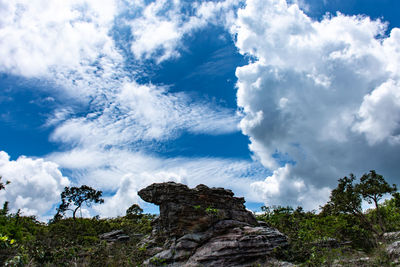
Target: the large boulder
pixel 184 210
pixel 206 227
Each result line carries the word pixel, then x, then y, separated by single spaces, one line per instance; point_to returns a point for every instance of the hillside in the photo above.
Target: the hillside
pixel 210 227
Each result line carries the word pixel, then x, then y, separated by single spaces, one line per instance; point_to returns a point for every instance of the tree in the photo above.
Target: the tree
pixel 347 197
pixel 134 212
pixel 396 199
pixel 372 188
pixel 77 196
pixel 344 198
pixel 5 208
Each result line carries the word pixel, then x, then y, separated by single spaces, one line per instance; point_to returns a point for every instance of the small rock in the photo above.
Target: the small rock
pixel 113 236
pixel 122 237
pixel 276 263
pixel 391 236
pixel 394 249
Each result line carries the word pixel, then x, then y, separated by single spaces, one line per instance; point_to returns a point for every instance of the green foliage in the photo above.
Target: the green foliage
pixel 157 261
pixel 77 196
pixel 211 210
pixel 68 242
pixel 344 198
pixel 197 207
pixel 347 197
pixel 372 188
pixel 310 234
pixel 6 242
pixel 342 220
pixel 390 213
pixel 4 211
pixel 134 212
pixel 314 239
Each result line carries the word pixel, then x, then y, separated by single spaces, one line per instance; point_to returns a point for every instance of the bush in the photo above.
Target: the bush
pixel 67 242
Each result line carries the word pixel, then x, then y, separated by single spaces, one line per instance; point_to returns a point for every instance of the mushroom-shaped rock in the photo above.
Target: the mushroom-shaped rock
pixel 184 210
pixel 207 227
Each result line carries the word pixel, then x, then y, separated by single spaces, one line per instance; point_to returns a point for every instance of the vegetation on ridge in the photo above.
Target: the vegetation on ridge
pixel 342 229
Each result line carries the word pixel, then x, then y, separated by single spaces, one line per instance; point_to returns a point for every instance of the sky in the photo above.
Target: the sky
pixel 274 99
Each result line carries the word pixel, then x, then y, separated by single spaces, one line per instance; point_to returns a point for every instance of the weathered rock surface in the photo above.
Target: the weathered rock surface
pixel 394 249
pixel 207 227
pixel 390 236
pixel 184 210
pixel 113 236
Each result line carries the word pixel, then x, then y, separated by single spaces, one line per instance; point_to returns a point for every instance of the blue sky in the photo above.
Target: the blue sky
pixel 273 99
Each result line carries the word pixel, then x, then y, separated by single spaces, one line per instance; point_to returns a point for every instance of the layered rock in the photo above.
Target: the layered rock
pixel 113 236
pixel 184 210
pixel 207 227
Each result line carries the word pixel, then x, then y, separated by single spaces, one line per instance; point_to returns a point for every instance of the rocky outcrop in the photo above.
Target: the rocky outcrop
pixel 184 210
pixel 394 250
pixel 393 247
pixel 206 227
pixel 113 236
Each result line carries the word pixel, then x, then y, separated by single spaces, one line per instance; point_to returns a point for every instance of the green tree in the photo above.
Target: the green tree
pixel 372 188
pixel 5 208
pixel 77 196
pixel 134 212
pixel 344 198
pixel 347 198
pixel 396 199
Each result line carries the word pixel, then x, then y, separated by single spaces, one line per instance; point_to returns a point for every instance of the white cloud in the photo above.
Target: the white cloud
pixel 144 113
pixel 380 114
pixel 70 44
pixel 158 32
pixel 35 185
pixel 282 184
pixel 126 194
pixel 323 94
pixel 125 172
pixel 39 36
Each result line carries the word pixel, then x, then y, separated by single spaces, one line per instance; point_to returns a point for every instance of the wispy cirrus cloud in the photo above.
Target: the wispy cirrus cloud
pixel 70 48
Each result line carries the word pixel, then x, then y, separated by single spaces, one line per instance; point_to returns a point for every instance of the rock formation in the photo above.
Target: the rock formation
pixel 206 227
pixel 114 236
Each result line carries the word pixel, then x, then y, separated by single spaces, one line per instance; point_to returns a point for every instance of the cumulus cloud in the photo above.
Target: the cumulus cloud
pixel 38 36
pixel 379 114
pixel 126 194
pixel 35 185
pixel 321 95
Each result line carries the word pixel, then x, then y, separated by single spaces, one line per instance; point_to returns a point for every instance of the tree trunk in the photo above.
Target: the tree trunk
pixel 378 214
pixel 74 212
pixel 367 222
